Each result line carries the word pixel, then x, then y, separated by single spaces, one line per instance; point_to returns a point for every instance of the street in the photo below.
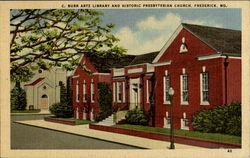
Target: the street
pixel 29 137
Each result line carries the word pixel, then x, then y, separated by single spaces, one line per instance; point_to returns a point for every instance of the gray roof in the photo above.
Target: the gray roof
pixel 104 64
pixel 225 41
pixel 144 58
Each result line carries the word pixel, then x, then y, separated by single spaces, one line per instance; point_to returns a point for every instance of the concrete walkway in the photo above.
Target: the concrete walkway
pixel 43 112
pixel 108 136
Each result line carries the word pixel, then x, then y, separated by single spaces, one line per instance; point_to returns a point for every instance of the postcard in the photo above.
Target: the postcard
pixel 124 78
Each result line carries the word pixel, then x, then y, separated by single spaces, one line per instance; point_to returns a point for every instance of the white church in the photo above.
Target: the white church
pixel 43 89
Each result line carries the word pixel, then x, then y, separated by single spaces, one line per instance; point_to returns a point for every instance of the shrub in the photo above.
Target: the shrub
pixel 62 110
pixel 105 102
pixel 18 98
pixel 224 119
pixel 137 117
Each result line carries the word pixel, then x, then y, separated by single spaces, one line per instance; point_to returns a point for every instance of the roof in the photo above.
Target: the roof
pixel 225 41
pixel 144 58
pixel 35 82
pixel 104 64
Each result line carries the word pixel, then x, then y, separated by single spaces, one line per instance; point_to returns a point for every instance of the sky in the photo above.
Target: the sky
pixel 146 30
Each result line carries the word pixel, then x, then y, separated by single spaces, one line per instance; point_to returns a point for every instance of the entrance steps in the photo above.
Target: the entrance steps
pixel 113 119
pixel 109 121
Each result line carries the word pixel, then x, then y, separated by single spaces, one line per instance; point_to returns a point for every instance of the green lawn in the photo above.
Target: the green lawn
pixel 192 134
pixel 77 121
pixel 26 111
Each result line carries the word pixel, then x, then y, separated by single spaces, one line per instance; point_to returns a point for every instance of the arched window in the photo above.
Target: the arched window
pixel 44 96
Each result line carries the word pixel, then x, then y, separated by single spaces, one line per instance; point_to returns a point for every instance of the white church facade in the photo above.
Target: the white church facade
pixel 43 89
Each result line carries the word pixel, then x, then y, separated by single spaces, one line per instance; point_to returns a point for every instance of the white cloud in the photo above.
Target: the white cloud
pixel 150 34
pixel 169 20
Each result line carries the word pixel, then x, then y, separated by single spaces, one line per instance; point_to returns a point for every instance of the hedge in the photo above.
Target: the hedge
pixel 225 119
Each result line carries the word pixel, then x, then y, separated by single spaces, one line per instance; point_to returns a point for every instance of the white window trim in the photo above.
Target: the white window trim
pixel 84 92
pixel 92 92
pixel 77 91
pixel 119 89
pixel 166 125
pixel 147 91
pixel 201 94
pixel 165 90
pixel 77 113
pixel 181 83
pixel 123 88
pixel 182 122
pixel 114 91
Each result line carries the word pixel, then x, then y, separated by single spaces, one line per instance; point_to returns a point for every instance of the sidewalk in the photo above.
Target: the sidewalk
pixel 43 112
pixel 108 136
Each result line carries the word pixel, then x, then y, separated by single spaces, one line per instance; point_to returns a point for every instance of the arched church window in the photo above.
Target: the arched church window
pixel 44 96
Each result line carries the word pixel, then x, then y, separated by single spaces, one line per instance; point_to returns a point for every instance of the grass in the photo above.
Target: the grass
pixel 26 111
pixel 191 134
pixel 77 121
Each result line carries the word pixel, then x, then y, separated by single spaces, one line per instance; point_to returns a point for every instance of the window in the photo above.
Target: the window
pixel 77 92
pixel 204 88
pixel 119 91
pixel 123 83
pixel 92 92
pixel 183 47
pixel 114 91
pixel 84 91
pixel 184 89
pixel 167 121
pixel 166 89
pixel 184 122
pixel 147 91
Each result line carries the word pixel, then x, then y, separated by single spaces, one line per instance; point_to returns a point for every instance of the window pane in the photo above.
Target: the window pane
pixel 167 86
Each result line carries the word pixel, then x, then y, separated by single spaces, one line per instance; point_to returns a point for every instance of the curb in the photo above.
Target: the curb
pixel 79 135
pixel 66 122
pixel 23 114
pixel 164 137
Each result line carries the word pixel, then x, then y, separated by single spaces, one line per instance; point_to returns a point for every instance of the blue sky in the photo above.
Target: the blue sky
pixel 146 30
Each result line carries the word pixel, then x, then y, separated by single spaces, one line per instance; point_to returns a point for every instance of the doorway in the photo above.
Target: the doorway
pixel 134 93
pixel 44 102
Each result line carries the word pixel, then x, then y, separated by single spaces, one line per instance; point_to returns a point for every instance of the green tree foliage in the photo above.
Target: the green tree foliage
pixel 63 94
pixel 137 117
pixel 105 102
pixel 224 119
pixel 18 98
pixel 61 110
pixel 41 38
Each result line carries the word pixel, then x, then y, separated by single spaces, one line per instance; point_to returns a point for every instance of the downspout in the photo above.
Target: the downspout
pixel 226 63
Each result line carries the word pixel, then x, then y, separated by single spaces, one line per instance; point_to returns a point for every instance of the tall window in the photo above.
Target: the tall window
pixel 92 92
pixel 114 91
pixel 204 87
pixel 84 92
pixel 119 91
pixel 166 89
pixel 77 91
pixel 184 89
pixel 147 91
pixel 123 85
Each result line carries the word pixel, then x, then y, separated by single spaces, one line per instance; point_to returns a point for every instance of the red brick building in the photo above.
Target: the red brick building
pixel 85 83
pixel 202 64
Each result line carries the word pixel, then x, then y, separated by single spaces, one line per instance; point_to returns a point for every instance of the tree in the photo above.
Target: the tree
pixel 63 94
pixel 45 38
pixel 105 101
pixel 18 98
